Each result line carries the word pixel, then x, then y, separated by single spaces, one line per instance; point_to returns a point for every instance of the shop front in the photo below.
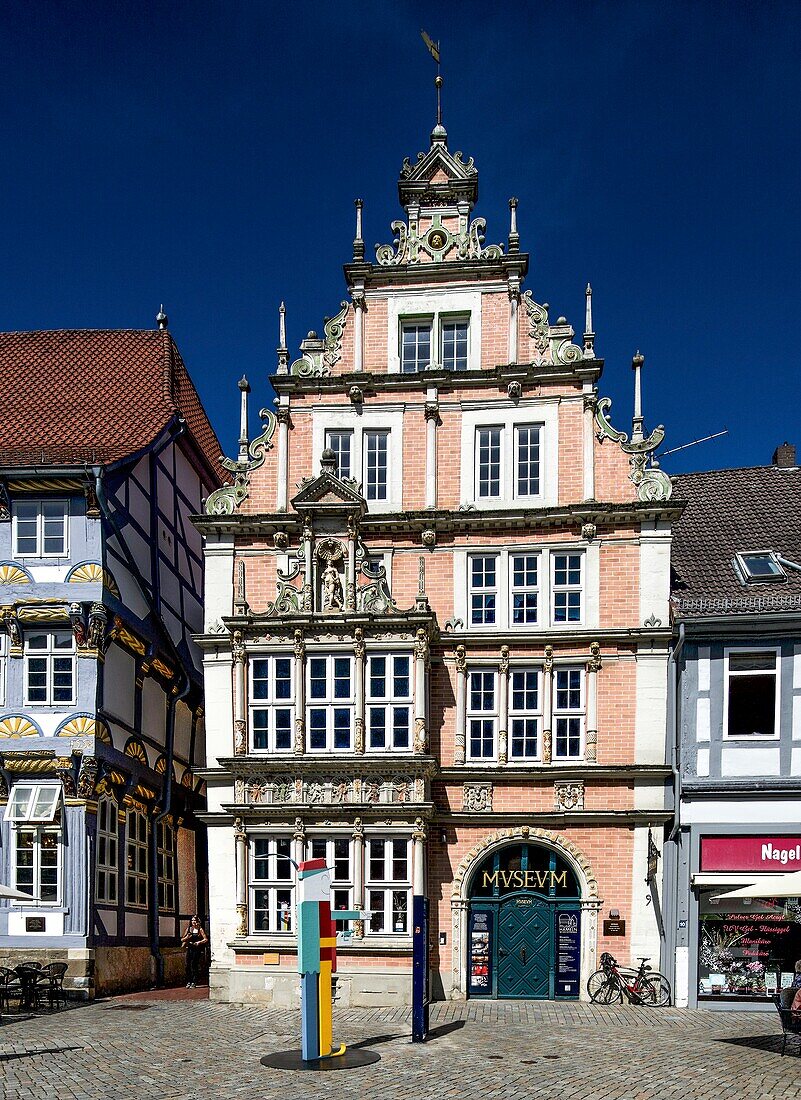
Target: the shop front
pixel 746 950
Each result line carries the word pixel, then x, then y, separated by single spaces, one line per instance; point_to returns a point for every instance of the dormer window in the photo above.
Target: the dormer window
pixel 758 566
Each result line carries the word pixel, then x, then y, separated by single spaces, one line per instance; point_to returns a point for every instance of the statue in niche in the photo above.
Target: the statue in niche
pixel 332 588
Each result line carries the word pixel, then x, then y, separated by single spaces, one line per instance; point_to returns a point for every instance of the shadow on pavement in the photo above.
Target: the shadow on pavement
pixel 36 1053
pixel 445 1029
pixel 756 1042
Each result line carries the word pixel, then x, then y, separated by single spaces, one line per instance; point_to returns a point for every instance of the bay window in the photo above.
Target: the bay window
pixel 388 885
pixel 272 885
pixel 330 703
pixel 389 702
pixel 271 703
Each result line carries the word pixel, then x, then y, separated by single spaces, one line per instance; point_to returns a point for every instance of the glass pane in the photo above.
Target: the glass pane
pixel 44 806
pixel 752 706
pixel 22 795
pixel 752 662
pixel 260 682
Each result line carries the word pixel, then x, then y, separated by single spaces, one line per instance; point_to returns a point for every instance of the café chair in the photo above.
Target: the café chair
pixel 10 987
pixel 791 1025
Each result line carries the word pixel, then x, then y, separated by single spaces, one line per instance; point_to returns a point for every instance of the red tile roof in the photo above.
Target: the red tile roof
pixel 70 397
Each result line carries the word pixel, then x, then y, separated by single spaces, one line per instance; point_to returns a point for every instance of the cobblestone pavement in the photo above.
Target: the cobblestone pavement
pixel 146 1047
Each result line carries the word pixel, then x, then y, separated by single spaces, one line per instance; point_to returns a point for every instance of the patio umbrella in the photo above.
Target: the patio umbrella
pixel 772 886
pixel 15 895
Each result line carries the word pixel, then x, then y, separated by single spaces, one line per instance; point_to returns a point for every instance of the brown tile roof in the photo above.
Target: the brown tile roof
pixel 729 511
pixel 94 396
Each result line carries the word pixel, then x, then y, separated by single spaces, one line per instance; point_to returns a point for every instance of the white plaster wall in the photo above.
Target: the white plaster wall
pixel 655 542
pixel 219 589
pixel 219 708
pixel 154 710
pixel 644 928
pixel 222 892
pixel 736 811
pixel 681 989
pixel 749 759
pixel 118 683
pixel 650 729
pixel 183 731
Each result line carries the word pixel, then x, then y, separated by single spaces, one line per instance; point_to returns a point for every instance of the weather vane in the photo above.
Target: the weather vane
pixel 433 49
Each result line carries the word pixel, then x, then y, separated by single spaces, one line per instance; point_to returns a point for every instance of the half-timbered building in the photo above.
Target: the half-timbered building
pixel 105 453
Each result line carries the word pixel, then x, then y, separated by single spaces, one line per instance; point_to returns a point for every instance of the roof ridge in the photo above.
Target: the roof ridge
pixel 168 369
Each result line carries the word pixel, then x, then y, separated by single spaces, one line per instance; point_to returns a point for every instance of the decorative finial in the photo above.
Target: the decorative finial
pixel 514 236
pixel 283 352
pixel 637 420
pixel 161 318
pixel 358 243
pixel 589 334
pixel 244 389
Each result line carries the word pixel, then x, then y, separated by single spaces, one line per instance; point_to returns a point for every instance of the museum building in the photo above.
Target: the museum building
pixel 437 632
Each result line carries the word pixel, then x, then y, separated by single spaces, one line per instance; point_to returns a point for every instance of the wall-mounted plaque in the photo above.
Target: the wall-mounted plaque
pixel 34 924
pixel 614 928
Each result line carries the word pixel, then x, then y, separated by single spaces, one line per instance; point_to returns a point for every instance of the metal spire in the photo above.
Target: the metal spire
pixel 161 318
pixel 637 434
pixel 589 333
pixel 283 351
pixel 244 389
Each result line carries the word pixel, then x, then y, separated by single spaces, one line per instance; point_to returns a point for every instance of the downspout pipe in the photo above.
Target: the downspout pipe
pixel 675 729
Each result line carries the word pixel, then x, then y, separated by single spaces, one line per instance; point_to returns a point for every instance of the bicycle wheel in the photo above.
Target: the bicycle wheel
pixel 655 991
pixel 602 988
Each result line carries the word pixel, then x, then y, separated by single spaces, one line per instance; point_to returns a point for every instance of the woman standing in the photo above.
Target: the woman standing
pixel 194 940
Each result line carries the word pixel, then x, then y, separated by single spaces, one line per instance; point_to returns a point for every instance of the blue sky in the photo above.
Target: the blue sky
pixel 207 155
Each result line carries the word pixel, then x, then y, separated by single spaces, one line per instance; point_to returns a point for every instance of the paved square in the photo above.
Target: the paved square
pixel 192 1049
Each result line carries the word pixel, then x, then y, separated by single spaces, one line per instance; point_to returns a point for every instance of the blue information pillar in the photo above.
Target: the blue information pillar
pixel 419 969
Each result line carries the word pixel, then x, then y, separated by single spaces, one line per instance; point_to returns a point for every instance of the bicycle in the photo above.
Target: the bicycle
pixel 642 986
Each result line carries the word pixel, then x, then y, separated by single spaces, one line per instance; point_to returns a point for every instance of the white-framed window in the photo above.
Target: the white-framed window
pixel 272 884
pixel 488 461
pixel 454 342
pixel 37 862
pixel 107 850
pixel 510 456
pixel 340 441
pixel 375 479
pixel 482 714
pixel 524 589
pixel 33 802
pixel 272 698
pixel 389 702
pixel 527 460
pixel 483 589
pixel 568 713
pixel 3 667
pixel 388 885
pixel 568 587
pixel 40 528
pixel 49 668
pixel 751 702
pixel 330 702
pixel 165 865
pixel 337 853
pixel 415 345
pixel 136 876
pixel 525 713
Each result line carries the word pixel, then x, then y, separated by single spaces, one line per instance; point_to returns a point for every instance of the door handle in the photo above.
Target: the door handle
pixel 523 955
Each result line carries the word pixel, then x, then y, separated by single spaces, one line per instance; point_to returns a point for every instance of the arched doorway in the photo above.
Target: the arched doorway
pixel 524 924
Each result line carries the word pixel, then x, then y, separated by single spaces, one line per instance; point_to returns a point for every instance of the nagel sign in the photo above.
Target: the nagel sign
pixel 751 853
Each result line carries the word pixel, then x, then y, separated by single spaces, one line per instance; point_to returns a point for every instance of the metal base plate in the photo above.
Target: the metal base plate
pixel 353 1058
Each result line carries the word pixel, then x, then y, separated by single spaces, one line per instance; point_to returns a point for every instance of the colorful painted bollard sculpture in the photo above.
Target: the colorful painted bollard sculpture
pixel 317 958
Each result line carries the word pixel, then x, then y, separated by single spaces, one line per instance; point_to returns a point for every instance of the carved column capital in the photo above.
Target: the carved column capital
pixel 359 644
pixel 461 659
pixel 298 645
pixel 282 415
pixel 504 662
pixel 432 411
pixel 595 662
pixel 238 647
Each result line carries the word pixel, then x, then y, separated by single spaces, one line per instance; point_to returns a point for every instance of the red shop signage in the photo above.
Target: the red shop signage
pixel 751 853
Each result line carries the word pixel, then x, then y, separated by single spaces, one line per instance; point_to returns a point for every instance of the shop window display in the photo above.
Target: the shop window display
pixel 746 951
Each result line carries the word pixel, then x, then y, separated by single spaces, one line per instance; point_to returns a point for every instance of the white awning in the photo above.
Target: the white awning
pixel 727 878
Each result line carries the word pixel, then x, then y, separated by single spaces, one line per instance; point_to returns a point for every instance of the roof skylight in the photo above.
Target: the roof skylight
pixel 758 566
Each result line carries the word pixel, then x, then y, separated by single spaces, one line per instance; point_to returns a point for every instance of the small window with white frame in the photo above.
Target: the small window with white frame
pixel 488 461
pixel 272 698
pixel 337 853
pixel 340 441
pixel 483 589
pixel 33 802
pixel 37 862
pixel 525 589
pixel 136 873
pixel 568 587
pixel 388 885
pixel 482 714
pixel 752 693
pixel 40 528
pixel 759 566
pixel 454 348
pixel 165 855
pixel 415 345
pixel 107 851
pixel 568 713
pixel 525 713
pixel 330 703
pixel 527 460
pixel 272 885
pixel 49 668
pixel 389 702
pixel 375 477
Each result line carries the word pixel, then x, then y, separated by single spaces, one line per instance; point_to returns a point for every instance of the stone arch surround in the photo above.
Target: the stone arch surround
pixel 460 899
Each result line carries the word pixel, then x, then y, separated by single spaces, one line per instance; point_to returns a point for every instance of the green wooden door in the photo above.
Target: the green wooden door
pixel 525 947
